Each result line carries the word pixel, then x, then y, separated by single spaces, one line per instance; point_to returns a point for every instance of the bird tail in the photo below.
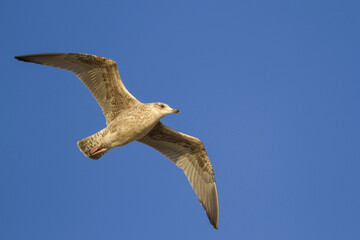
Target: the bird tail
pixel 93 144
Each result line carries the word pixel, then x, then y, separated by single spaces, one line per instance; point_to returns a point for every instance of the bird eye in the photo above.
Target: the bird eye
pixel 162 105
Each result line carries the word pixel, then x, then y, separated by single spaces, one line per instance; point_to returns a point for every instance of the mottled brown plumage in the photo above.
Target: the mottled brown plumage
pixel 189 154
pixel 130 120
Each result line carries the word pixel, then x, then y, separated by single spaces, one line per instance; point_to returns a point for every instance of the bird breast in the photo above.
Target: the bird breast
pixel 130 126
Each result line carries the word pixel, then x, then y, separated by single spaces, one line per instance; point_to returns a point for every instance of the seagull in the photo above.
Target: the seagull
pixel 128 120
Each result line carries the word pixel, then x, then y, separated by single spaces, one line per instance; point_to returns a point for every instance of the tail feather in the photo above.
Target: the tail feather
pixel 87 144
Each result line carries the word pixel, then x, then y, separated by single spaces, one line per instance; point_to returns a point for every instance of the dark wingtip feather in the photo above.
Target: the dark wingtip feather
pixel 21 58
pixel 213 223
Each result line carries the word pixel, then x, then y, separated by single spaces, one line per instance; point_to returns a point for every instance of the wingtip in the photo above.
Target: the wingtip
pixel 214 219
pixel 21 58
pixel 215 226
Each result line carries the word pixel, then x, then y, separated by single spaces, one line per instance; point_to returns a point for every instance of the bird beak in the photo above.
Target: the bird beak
pixel 176 111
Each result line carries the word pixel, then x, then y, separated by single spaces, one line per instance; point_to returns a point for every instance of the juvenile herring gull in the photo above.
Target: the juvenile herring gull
pixel 129 120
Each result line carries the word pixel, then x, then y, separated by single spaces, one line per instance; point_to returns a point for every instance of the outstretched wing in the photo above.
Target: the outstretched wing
pixel 100 75
pixel 189 154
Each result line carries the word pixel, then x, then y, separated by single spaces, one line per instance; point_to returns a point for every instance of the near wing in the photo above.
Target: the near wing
pixel 189 154
pixel 100 75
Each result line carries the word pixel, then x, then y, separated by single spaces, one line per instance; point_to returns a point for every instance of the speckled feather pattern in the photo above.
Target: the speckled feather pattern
pixel 129 120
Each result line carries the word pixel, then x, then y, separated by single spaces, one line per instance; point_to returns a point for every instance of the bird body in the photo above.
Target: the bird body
pixel 130 125
pixel 129 120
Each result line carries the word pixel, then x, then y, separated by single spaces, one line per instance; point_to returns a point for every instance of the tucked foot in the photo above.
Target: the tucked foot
pixel 97 149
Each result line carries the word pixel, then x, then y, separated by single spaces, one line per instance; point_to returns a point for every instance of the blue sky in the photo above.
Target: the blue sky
pixel 270 87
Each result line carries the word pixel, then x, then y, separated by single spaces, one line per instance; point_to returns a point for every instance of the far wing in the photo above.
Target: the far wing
pixel 100 75
pixel 189 154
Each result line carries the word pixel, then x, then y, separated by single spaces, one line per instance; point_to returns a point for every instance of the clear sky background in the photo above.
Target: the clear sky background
pixel 272 88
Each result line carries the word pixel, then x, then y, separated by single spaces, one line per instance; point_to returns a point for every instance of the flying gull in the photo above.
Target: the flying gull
pixel 129 120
